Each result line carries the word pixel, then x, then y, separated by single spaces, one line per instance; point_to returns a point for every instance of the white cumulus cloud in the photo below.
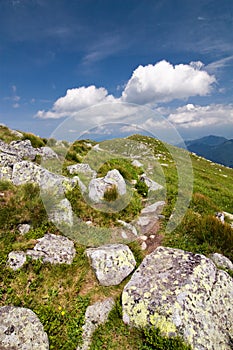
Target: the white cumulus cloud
pixel 196 116
pixel 164 82
pixel 75 100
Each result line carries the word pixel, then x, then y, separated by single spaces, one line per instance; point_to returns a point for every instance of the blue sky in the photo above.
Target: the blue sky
pixel 174 57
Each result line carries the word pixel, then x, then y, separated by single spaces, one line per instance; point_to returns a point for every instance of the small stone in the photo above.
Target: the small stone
pixel 136 163
pixel 16 260
pixel 143 237
pixel 143 246
pixel 152 236
pixel 24 228
pixel 124 235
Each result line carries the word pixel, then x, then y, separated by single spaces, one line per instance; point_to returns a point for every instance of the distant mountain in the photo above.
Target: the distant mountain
pixel 215 148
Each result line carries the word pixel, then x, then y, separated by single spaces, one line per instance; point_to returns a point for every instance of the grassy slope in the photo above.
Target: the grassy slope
pixel 60 294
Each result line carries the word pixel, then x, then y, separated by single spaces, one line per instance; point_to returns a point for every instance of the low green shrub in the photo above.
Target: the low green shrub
pixel 36 141
pixel 153 339
pixel 111 194
pixel 142 188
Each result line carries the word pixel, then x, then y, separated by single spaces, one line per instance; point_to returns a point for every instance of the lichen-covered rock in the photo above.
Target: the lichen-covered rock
pixel 7 160
pixel 53 249
pixel 98 186
pixel 222 261
pixel 21 329
pixel 46 153
pixel 182 293
pixel 112 263
pixel 5 173
pixel 24 149
pixel 28 172
pixel 16 259
pixel 81 168
pixel 95 315
pixel 61 213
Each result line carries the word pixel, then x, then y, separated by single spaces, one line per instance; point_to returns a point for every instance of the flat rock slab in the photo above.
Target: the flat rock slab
pixel 154 208
pixel 112 263
pixel 53 249
pixel 95 315
pixel 21 329
pixel 182 293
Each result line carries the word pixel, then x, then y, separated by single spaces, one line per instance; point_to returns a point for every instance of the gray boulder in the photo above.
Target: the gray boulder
pixel 21 329
pixel 28 172
pixel 97 187
pixel 151 184
pixel 53 249
pixel 61 213
pixel 81 168
pixel 24 149
pixel 16 259
pixel 46 153
pixel 221 261
pixel 95 315
pixel 182 293
pixel 112 263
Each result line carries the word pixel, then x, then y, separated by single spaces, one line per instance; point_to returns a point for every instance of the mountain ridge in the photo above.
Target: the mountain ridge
pixel 218 149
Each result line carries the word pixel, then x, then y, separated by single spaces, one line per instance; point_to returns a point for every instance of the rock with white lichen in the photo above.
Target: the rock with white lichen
pixel 112 263
pixel 61 214
pixel 21 329
pixel 182 294
pixel 53 249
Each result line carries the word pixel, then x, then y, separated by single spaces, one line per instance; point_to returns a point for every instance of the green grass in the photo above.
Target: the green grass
pixel 6 134
pixel 59 294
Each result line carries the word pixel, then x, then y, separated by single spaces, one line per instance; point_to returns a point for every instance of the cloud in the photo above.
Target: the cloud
pixel 164 82
pixel 103 48
pixel 75 100
pixel 148 85
pixel 190 116
pixel 214 66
